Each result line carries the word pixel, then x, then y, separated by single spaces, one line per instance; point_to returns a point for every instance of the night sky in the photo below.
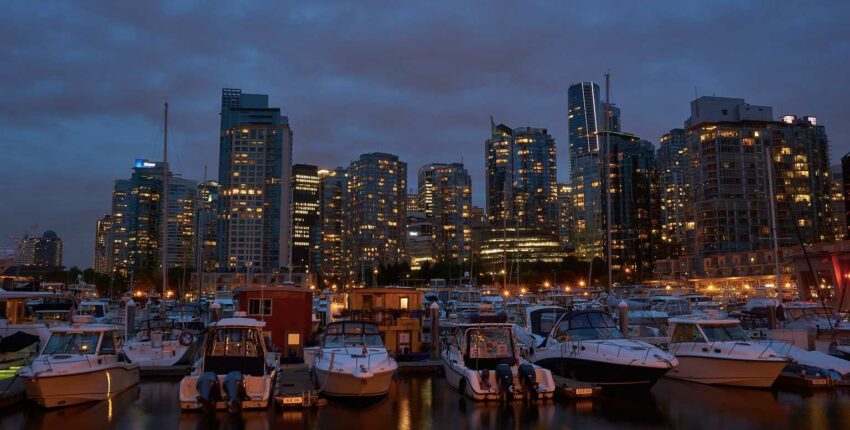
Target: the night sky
pixel 83 83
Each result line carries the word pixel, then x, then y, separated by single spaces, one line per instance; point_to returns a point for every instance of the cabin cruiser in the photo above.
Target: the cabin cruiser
pixel 224 297
pixel 536 322
pixel 80 363
pixel 97 309
pixel 554 296
pixel 718 351
pixel 482 361
pixel 235 371
pixel 160 343
pixel 587 346
pixel 493 301
pixel 352 361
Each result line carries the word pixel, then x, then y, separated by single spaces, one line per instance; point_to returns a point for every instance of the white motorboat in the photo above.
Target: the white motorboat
pixel 536 322
pixel 234 372
pixel 718 351
pixel 160 343
pixel 482 361
pixel 352 361
pixel 80 363
pixel 587 346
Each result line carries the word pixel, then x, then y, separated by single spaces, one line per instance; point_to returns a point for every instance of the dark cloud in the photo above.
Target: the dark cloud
pixel 83 83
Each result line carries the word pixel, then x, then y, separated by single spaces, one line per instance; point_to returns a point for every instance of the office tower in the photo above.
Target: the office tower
pixel 420 240
pixel 103 245
pixel 613 117
pixel 837 203
pixel 585 112
pixel 566 217
pixel 206 219
pixel 43 253
pixel 255 159
pixel 479 225
pixel 306 229
pixel 734 150
pixel 412 201
pixel 333 187
pixel 672 159
pixel 445 198
pixel 521 177
pixel 376 214
pixel 137 220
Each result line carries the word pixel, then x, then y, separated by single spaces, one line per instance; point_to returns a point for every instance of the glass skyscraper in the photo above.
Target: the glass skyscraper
pixel 585 112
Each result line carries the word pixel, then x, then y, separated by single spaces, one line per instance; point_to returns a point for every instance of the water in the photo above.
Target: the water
pixel 424 402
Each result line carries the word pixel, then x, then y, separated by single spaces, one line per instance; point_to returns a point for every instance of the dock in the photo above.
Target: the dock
pixel 573 389
pixel 423 366
pixel 809 382
pixel 295 387
pixel 177 371
pixel 12 392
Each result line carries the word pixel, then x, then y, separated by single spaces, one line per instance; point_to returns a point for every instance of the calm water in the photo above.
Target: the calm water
pixel 427 402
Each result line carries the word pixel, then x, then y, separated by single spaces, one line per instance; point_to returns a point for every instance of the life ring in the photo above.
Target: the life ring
pixel 186 339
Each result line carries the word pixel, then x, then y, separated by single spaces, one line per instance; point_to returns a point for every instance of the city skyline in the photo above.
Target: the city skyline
pixel 60 103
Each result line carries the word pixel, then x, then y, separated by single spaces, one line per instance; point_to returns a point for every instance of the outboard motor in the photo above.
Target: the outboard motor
pixel 234 388
pixel 485 379
pixel 209 391
pixel 505 379
pixel 528 378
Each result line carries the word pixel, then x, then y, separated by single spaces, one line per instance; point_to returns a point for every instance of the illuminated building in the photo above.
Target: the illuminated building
pixel 837 201
pixel 333 186
pixel 584 114
pixel 43 253
pixel 845 186
pixel 420 239
pixel 731 146
pixel 566 216
pixel 103 245
pixel 306 228
pixel 412 201
pixel 137 219
pixel 504 248
pixel 255 161
pixel 206 218
pixel 445 197
pixel 376 214
pixel 521 177
pixel 672 159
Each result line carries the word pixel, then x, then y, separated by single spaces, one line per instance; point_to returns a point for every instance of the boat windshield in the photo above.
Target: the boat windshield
pixel 352 334
pixel 723 333
pixel 236 342
pixel 490 343
pixel 71 343
pixel 588 326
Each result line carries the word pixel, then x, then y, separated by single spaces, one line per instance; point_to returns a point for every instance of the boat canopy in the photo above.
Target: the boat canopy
pixel 587 325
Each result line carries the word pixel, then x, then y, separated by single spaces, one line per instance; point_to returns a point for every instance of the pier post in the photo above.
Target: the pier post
pixel 434 310
pixel 623 309
pixel 771 316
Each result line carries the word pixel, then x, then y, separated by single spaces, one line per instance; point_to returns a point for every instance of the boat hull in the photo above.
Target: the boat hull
pixel 606 375
pixel 725 371
pixel 65 390
pixel 169 354
pixel 347 384
pixel 257 390
pixel 468 383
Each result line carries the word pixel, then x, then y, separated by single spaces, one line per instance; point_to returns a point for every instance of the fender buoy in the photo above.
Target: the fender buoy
pixel 186 339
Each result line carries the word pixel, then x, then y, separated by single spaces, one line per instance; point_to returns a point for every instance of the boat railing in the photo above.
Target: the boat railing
pixel 357 357
pixel 711 347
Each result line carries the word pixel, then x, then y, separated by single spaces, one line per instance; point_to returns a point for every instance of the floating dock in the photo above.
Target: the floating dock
pixel 295 387
pixel 177 371
pixel 573 389
pixel 798 380
pixel 423 366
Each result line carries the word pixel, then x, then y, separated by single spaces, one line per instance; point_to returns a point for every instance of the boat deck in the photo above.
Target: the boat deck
pixel 571 388
pixel 295 387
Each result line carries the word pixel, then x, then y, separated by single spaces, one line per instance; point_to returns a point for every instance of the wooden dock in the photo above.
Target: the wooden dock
pixel 573 389
pixel 12 392
pixel 295 387
pixel 809 382
pixel 177 371
pixel 423 366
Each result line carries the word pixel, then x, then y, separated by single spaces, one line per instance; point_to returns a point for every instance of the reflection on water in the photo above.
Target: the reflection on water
pixel 428 403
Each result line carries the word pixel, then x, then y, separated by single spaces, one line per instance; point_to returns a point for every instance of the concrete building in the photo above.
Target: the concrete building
pixel 306 227
pixel 255 161
pixel 103 245
pixel 445 198
pixel 376 214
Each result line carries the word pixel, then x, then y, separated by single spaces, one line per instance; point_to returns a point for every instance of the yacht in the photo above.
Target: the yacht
pixel 79 364
pixel 482 361
pixel 160 343
pixel 718 351
pixel 352 361
pixel 587 346
pixel 235 371
pixel 536 322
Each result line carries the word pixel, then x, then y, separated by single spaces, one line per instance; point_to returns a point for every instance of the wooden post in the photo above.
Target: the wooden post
pixel 435 330
pixel 623 307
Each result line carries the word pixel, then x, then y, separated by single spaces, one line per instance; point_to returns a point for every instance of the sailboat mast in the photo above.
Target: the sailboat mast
pixel 608 175
pixel 165 203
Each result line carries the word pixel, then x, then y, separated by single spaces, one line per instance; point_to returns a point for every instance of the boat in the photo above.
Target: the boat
pixel 587 346
pixel 536 322
pixel 80 363
pixel 235 370
pixel 482 361
pixel 162 342
pixel 353 362
pixel 718 351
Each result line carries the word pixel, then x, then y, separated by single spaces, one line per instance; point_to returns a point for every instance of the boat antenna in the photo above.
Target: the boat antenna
pixel 164 207
pixel 606 183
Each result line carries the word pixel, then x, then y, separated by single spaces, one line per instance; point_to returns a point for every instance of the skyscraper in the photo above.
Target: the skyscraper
pixel 255 158
pixel 206 218
pixel 445 198
pixel 306 230
pixel 566 216
pixel 333 187
pixel 376 213
pixel 584 113
pixel 102 245
pixel 672 158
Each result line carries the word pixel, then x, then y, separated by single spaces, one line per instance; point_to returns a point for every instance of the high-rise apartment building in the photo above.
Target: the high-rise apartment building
pixel 672 159
pixel 837 204
pixel 585 113
pixel 103 245
pixel 306 229
pixel 41 253
pixel 376 213
pixel 255 159
pixel 333 188
pixel 566 217
pixel 445 198
pixel 206 219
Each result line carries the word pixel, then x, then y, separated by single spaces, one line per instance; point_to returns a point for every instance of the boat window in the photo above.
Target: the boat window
pixel 235 342
pixel 489 343
pixel 591 325
pixel 352 334
pixel 71 343
pixel 687 333
pixel 107 345
pixel 720 333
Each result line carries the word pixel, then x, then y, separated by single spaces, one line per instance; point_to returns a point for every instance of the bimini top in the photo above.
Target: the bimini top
pixel 694 319
pixel 84 328
pixel 238 322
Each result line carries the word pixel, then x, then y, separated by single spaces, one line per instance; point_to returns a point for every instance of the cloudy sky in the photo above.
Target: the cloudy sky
pixel 83 83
